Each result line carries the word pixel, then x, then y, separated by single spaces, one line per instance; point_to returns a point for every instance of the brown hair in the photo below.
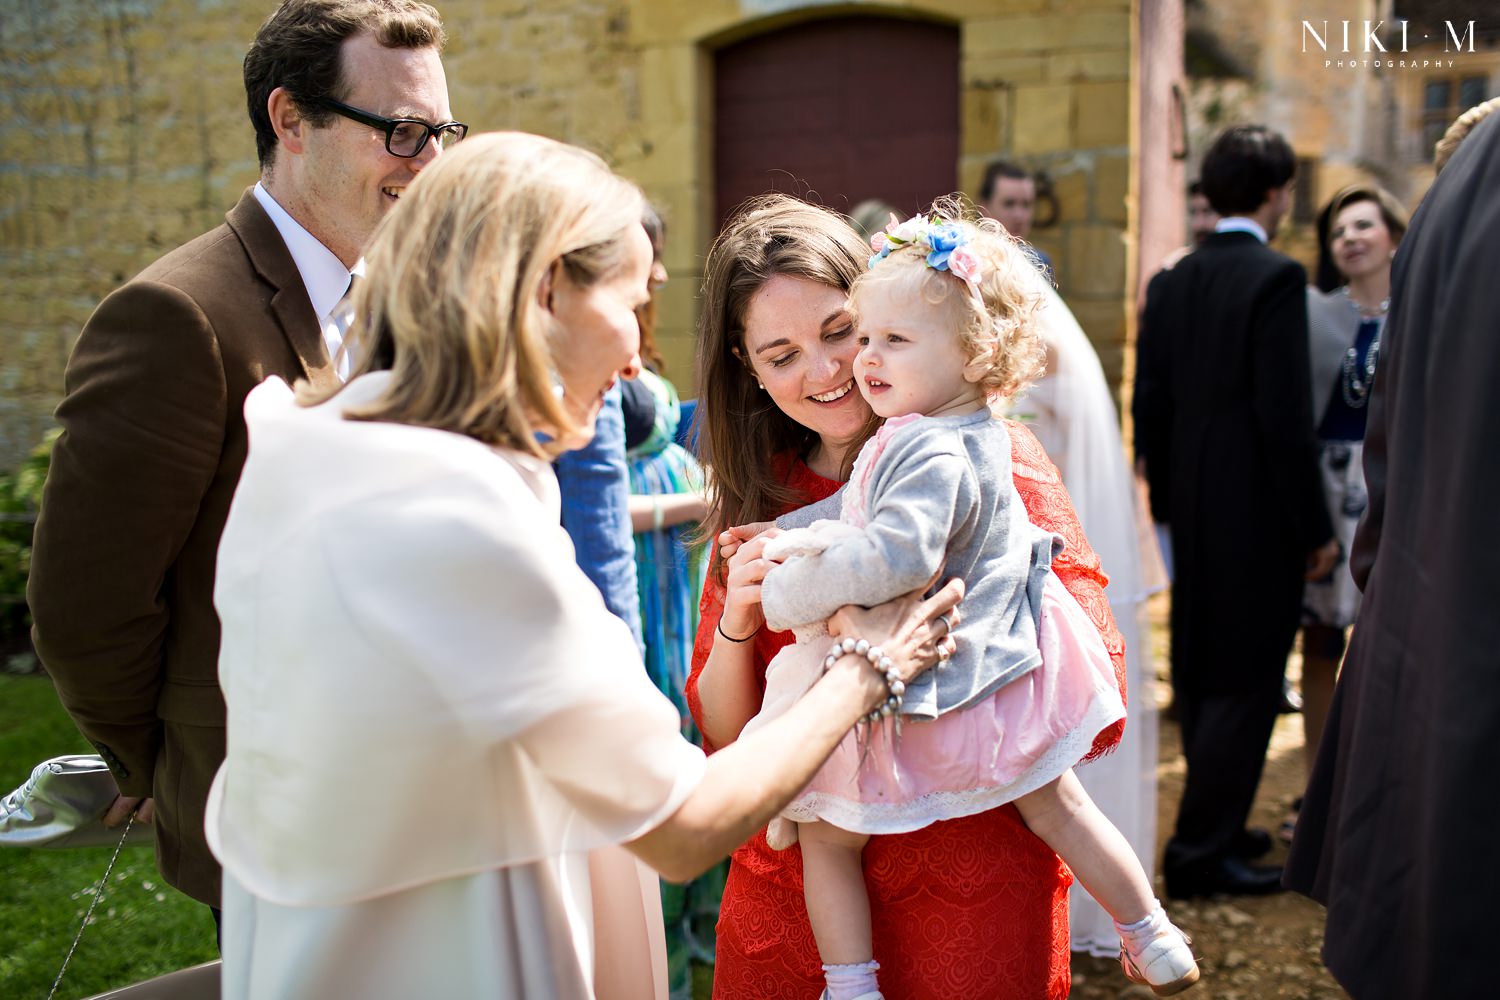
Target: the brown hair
pixel 300 47
pixel 647 314
pixel 997 328
pixel 739 429
pixel 452 301
pixel 1392 212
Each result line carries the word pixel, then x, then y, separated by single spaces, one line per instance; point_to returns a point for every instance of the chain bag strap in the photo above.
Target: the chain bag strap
pixel 98 894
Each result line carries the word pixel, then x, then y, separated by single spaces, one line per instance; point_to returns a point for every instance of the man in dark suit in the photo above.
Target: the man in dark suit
pixel 1224 424
pixel 1401 809
pixel 122 574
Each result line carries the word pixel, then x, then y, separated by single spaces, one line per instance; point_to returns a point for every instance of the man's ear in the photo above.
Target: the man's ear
pixel 287 121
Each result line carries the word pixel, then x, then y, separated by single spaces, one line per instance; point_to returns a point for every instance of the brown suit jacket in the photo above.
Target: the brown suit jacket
pixel 122 573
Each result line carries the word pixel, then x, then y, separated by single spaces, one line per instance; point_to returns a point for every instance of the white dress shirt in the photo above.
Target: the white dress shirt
pixel 1241 224
pixel 324 275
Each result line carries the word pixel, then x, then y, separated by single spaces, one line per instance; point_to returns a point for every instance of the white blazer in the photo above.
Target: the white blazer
pixel 423 690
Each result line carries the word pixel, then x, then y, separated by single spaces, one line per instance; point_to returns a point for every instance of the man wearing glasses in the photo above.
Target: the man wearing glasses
pixel 349 103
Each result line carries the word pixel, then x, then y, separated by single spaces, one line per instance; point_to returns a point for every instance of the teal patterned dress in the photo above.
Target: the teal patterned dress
pixel 669 574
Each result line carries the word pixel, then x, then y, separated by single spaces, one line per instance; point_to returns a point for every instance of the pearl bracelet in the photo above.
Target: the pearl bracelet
pixel 894 686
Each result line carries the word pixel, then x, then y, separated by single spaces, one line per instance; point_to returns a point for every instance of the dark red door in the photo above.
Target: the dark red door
pixel 839 111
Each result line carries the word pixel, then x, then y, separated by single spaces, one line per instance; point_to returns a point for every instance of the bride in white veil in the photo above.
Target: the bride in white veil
pixel 1073 415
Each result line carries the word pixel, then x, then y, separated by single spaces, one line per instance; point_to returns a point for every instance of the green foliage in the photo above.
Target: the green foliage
pixel 20 499
pixel 141 928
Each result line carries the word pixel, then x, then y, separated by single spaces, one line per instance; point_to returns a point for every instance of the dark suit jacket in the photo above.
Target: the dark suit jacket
pixel 1224 422
pixel 1401 808
pixel 122 572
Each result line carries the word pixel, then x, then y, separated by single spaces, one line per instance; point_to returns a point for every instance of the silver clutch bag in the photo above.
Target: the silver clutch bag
pixel 62 804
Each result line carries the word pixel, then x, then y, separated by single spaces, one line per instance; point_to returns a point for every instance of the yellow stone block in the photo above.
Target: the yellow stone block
pixel 964 10
pixel 1072 192
pixel 653 22
pixel 1040 120
pixel 995 71
pixel 1101 114
pixel 1096 260
pixel 1090 64
pixel 1104 322
pixel 971 172
pixel 670 83
pixel 981 121
pixel 1112 189
pixel 1034 34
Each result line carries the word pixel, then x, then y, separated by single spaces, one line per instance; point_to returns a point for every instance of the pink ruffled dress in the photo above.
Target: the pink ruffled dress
pixel 887 778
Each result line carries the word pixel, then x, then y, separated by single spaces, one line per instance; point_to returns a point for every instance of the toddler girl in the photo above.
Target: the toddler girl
pixel 944 320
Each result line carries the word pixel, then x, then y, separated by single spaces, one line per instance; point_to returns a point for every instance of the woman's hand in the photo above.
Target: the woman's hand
pixel 914 632
pixel 746 570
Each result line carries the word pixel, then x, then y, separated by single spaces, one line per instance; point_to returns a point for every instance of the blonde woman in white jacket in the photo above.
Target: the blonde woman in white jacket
pixel 438 735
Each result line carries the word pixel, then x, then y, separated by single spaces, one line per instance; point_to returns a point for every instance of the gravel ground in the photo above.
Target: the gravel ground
pixel 1248 947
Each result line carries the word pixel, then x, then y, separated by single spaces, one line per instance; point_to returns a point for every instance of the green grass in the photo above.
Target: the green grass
pixel 141 928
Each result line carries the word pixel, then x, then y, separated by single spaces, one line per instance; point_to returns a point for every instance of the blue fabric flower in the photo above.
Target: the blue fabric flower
pixel 945 237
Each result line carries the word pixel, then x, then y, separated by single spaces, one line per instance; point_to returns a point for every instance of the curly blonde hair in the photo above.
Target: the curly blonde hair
pixel 995 320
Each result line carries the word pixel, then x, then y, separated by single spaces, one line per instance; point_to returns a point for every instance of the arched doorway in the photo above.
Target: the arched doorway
pixel 839 111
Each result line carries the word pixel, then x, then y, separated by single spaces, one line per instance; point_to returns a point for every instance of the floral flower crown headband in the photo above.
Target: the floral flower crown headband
pixel 945 242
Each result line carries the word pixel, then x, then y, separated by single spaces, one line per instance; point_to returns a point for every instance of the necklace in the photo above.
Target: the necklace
pixel 1381 310
pixel 1355 385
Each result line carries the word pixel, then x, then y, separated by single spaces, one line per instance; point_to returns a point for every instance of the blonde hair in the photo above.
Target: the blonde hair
pixel 995 320
pixel 1444 148
pixel 456 277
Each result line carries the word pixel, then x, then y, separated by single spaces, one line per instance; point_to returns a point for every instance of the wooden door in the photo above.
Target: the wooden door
pixel 838 111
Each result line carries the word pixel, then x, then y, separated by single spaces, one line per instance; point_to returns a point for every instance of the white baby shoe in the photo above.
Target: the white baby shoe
pixel 1156 953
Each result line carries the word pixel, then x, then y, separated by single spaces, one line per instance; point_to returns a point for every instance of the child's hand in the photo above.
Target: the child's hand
pixel 730 539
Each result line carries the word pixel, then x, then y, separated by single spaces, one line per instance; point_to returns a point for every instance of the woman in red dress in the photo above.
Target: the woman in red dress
pixel 967 907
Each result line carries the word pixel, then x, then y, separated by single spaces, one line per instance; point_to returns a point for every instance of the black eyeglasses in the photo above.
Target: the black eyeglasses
pixel 405 137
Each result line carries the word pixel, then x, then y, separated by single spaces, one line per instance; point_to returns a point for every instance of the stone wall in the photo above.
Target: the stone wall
pixel 124 134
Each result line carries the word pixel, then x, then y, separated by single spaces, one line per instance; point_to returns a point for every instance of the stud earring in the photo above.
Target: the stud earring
pixel 761 385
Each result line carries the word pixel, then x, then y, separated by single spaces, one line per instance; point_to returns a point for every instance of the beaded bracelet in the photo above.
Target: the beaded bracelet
pixel 895 687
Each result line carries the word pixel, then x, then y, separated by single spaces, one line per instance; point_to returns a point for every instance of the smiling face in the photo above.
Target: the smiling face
pixel 911 359
pixel 799 341
pixel 1360 241
pixel 337 179
pixel 599 338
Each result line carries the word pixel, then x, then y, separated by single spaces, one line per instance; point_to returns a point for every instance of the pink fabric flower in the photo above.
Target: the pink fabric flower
pixel 877 242
pixel 963 263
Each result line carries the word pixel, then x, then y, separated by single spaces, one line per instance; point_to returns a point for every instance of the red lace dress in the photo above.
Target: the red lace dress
pixel 971 907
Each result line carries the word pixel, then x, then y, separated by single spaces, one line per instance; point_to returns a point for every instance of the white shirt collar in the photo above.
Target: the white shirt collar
pixel 1240 224
pixel 325 275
